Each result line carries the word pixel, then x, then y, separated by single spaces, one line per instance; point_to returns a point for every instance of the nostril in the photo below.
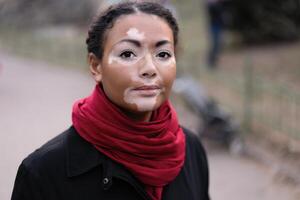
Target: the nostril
pixel 149 75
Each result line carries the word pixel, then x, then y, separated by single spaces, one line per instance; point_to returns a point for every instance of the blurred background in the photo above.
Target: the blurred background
pixel 238 86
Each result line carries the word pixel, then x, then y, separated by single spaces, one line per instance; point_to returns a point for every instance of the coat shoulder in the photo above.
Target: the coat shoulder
pixel 47 155
pixel 195 151
pixel 193 141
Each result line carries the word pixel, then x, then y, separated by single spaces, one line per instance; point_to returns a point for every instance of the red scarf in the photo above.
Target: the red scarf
pixel 153 151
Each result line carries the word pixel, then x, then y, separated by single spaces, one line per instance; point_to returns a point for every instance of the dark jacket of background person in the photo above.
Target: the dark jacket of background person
pixel 68 167
pixel 215 19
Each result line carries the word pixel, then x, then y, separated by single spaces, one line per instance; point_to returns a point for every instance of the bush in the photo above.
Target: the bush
pixel 25 13
pixel 263 20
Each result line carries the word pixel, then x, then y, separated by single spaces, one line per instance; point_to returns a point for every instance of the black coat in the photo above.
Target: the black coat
pixel 69 168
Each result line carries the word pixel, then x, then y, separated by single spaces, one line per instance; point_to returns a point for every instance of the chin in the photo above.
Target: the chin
pixel 145 108
pixel 149 107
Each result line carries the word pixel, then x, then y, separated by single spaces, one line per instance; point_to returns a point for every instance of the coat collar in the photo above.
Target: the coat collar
pixel 82 157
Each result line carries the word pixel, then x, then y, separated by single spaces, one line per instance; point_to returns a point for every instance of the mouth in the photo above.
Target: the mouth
pixel 148 87
pixel 148 90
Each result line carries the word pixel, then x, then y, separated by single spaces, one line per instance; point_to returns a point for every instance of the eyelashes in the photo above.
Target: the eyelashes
pixel 164 55
pixel 129 55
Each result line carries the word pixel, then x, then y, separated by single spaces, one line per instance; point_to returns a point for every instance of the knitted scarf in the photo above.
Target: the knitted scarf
pixel 152 151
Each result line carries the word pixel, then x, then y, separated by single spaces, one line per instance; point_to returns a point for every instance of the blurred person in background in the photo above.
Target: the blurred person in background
pixel 125 141
pixel 215 23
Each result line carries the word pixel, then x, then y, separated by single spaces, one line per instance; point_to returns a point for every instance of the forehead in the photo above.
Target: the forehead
pixel 153 28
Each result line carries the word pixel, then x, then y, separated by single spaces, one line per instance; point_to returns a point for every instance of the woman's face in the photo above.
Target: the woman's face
pixel 138 65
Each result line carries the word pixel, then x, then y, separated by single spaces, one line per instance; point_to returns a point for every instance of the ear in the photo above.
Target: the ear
pixel 95 67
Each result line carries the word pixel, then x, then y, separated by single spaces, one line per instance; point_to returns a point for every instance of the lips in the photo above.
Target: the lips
pixel 148 87
pixel 147 90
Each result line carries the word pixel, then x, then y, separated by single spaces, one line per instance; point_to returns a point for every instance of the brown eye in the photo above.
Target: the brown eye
pixel 164 55
pixel 127 55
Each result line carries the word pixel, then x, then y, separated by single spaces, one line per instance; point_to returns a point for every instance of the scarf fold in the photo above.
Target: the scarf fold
pixel 152 151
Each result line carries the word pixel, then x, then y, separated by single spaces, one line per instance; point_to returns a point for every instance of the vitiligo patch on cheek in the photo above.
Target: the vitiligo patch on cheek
pixel 169 63
pixel 114 58
pixel 134 33
pixel 111 59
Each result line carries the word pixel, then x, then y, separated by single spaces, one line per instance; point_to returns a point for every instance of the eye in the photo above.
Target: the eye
pixel 164 55
pixel 127 55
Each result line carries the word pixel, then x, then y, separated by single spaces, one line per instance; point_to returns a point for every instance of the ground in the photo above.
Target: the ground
pixel 36 101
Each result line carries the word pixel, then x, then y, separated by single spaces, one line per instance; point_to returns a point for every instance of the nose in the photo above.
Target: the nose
pixel 148 68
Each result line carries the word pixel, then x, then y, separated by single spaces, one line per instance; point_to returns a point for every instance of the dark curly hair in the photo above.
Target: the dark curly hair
pixel 104 21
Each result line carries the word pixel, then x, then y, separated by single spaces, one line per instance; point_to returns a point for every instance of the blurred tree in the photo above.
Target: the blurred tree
pixel 263 20
pixel 28 13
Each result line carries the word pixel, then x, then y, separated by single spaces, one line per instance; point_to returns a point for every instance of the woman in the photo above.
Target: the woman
pixel 125 142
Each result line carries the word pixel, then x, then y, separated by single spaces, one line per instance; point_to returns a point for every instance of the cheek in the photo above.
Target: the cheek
pixel 168 74
pixel 168 64
pixel 118 79
pixel 115 80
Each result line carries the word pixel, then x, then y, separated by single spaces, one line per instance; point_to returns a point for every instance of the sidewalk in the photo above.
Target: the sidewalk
pixel 235 177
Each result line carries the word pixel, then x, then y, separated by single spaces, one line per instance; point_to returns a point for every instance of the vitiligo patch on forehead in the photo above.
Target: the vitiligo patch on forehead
pixel 134 33
pixel 155 17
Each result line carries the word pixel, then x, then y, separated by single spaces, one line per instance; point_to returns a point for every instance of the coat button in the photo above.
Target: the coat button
pixel 105 181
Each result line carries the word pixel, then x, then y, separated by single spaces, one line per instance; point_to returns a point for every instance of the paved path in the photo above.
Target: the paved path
pixel 236 178
pixel 35 105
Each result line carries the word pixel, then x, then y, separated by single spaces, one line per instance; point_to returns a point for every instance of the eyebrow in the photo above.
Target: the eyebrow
pixel 162 42
pixel 134 42
pixel 138 44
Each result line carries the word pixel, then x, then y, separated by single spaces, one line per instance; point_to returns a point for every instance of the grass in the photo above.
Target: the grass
pixel 56 49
